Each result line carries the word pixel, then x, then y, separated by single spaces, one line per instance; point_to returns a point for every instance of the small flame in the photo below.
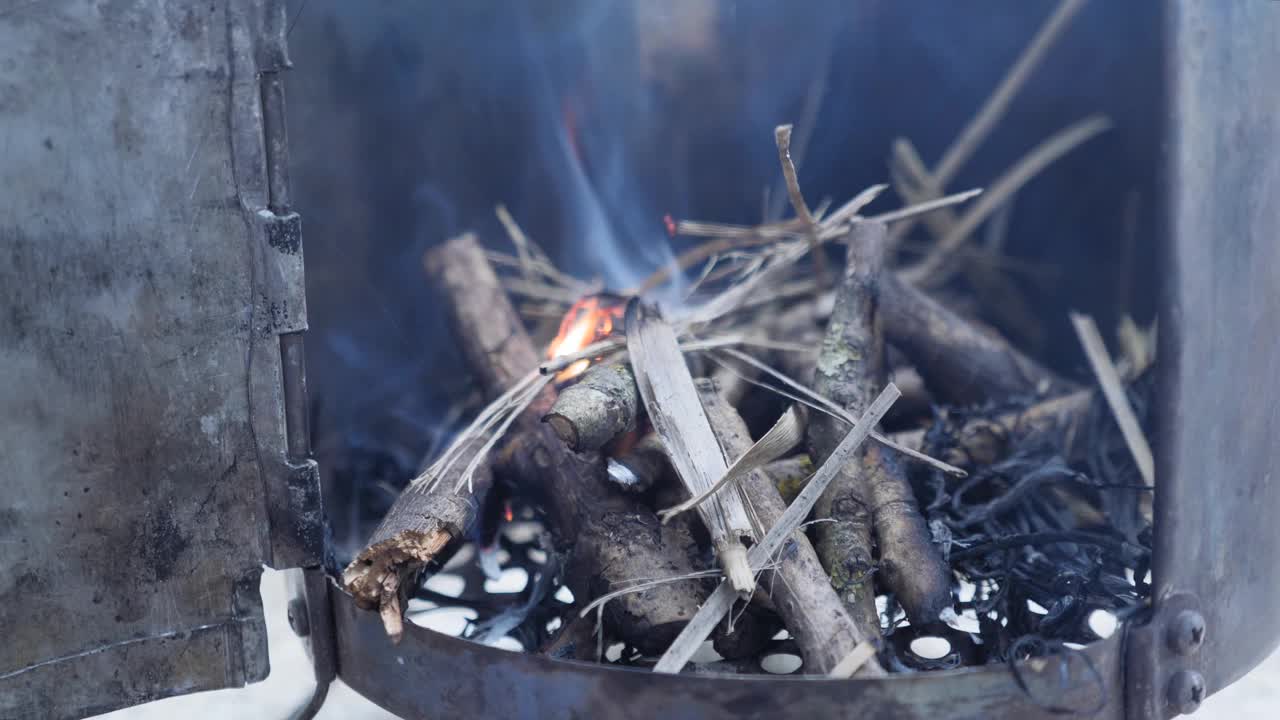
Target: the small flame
pixel 507 514
pixel 587 321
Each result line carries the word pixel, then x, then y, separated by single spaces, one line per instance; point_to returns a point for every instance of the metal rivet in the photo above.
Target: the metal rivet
pixel 1186 632
pixel 1186 691
pixel 298 617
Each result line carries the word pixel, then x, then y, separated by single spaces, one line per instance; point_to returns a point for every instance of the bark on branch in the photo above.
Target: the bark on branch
pixel 851 367
pixel 960 363
pixel 823 629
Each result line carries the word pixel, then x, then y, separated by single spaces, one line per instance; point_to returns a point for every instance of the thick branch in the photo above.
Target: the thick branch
pixel 823 629
pixel 421 523
pixel 960 363
pixel 850 368
pixel 600 406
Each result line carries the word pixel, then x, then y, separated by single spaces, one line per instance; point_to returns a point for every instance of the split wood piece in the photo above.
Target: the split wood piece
pixel 599 407
pixel 421 523
pixel 960 363
pixel 824 631
pixel 763 553
pixel 851 366
pixel 983 441
pixel 671 401
pixel 612 539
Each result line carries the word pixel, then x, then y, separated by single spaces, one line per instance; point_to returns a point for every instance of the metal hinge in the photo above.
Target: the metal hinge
pixel 1163 663
pixel 294 508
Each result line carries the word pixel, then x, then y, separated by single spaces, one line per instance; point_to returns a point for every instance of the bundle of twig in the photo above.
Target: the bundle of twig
pixel 992 494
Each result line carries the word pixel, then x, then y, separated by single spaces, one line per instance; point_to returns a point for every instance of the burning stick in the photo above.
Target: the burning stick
pixel 671 400
pixel 850 366
pixel 600 406
pixel 721 601
pixel 612 538
pixel 824 631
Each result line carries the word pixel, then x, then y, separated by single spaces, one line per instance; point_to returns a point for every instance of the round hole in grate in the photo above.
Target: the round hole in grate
pixel 930 647
pixel 446 584
pixel 782 634
pixel 781 663
pixel 417 606
pixel 965 621
pixel 614 652
pixel 1103 623
pixel 522 533
pixel 538 556
pixel 1036 608
pixel 564 595
pixel 512 580
pixel 461 557
pixel 554 625
pixel 445 620
pixel 507 642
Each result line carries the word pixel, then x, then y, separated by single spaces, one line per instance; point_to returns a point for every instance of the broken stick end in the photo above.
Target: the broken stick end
pixel 563 428
pixel 737 570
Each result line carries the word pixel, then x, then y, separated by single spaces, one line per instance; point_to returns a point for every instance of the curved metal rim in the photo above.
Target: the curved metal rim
pixel 433 675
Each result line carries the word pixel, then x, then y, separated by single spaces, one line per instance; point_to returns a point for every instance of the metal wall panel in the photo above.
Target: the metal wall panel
pixel 1218 471
pixel 142 432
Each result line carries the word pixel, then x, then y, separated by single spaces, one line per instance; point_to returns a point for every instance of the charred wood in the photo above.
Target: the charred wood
pixel 641 467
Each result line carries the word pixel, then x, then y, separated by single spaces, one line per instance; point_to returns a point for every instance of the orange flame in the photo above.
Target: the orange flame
pixel 587 321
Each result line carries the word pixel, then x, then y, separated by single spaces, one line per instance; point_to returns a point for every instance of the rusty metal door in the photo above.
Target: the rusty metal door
pixel 149 347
